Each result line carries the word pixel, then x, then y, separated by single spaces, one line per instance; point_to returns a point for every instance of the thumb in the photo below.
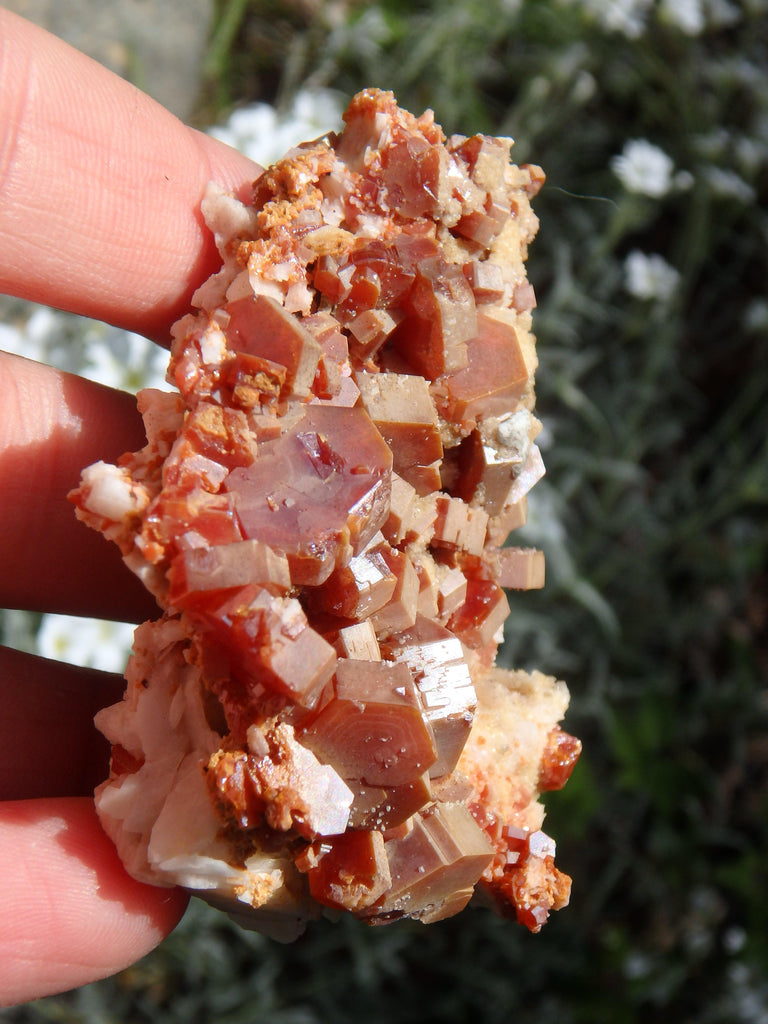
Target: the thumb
pixel 70 913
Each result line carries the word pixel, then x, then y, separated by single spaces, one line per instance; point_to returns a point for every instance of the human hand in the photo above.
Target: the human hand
pixel 100 192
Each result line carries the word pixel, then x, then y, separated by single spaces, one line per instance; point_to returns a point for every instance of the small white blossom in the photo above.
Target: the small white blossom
pixel 751 153
pixel 644 168
pixel 637 965
pixel 627 17
pixel 683 180
pixel 265 135
pixel 89 643
pixel 250 130
pixel 87 347
pixel 584 87
pixel 12 340
pixel 539 88
pixel 734 939
pixel 121 359
pixel 42 325
pixel 756 315
pixel 687 15
pixel 650 277
pixel 44 339
pixel 729 184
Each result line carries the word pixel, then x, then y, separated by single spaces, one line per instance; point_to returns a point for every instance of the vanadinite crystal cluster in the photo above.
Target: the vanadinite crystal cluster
pixel 316 722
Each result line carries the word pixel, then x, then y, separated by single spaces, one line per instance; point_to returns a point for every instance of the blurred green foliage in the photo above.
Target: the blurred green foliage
pixel 653 517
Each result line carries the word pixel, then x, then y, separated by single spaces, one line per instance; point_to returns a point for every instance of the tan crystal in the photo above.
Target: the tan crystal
pixel 436 662
pixel 359 641
pixel 444 854
pixel 373 729
pixel 516 568
pixel 402 409
pixel 459 526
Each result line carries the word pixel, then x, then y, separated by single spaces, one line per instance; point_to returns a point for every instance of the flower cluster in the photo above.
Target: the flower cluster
pixel 97 351
pixel 265 134
pixel 632 18
pixel 92 643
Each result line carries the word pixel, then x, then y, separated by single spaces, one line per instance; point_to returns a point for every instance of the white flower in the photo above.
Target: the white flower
pixel 42 335
pixel 729 184
pixel 250 130
pixel 584 87
pixel 43 325
pixel 265 135
pixel 734 939
pixel 644 168
pixel 625 16
pixel 12 340
pixel 683 180
pixel 687 15
pixel 87 347
pixel 637 965
pixel 121 359
pixel 319 109
pixel 650 277
pixel 45 337
pixel 90 643
pixel 756 315
pixel 751 152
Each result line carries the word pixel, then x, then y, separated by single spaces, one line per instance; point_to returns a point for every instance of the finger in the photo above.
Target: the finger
pixel 70 912
pixel 100 187
pixel 49 745
pixel 52 424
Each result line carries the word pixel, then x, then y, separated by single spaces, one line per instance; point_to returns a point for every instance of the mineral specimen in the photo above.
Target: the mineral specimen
pixel 321 511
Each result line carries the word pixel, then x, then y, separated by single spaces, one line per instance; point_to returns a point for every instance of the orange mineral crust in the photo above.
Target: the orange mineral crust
pixel 316 724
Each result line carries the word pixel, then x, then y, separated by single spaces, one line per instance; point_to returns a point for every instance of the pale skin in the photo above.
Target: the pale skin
pixel 100 191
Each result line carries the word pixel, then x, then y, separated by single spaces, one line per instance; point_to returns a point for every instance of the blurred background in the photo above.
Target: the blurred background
pixel 650 118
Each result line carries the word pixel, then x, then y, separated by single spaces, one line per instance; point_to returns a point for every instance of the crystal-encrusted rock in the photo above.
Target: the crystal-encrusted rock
pixel 322 510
